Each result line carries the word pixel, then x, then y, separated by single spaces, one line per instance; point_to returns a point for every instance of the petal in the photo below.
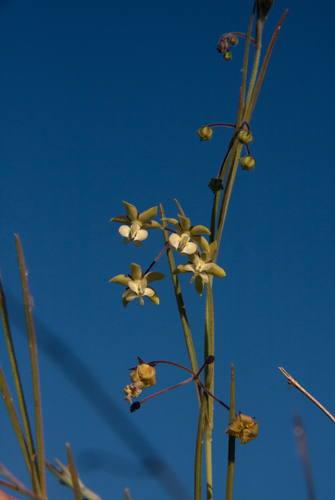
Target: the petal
pixel 201 240
pixel 184 222
pixel 217 271
pixel 189 249
pixel 143 286
pixel 205 267
pixel 131 211
pixel 184 239
pixel 124 231
pixel 197 230
pixel 141 235
pixel 148 214
pixel 120 218
pixel 199 285
pixel 136 272
pixel 180 269
pixel 124 300
pixel 195 259
pixel 204 277
pixel 174 240
pixel 154 299
pixel 173 222
pixel 149 292
pixel 188 268
pixel 152 224
pixel 154 276
pixel 121 279
pixel 137 243
pixel 134 228
pixel 130 296
pixel 133 286
pixel 212 250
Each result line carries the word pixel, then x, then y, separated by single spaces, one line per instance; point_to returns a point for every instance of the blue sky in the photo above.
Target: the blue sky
pixel 99 103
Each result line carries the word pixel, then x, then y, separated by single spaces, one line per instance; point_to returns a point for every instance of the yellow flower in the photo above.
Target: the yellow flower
pixel 181 240
pixel 137 285
pixel 135 230
pixel 200 267
pixel 244 428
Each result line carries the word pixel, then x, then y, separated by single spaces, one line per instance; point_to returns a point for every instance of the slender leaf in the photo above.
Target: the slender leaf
pixel 74 474
pixel 14 418
pixel 18 387
pixel 27 301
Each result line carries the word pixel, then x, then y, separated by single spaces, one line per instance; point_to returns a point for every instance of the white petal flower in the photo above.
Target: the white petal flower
pixel 136 285
pixel 133 233
pixel 182 244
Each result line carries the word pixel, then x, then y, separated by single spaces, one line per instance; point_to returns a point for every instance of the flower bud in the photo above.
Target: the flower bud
pixel 245 136
pixel 205 133
pixel 215 184
pixel 233 40
pixel 135 406
pixel 265 6
pixel 227 56
pixel 247 162
pixel 223 45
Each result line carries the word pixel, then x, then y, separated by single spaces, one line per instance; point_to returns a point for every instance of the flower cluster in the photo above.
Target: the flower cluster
pixel 224 42
pixel 184 238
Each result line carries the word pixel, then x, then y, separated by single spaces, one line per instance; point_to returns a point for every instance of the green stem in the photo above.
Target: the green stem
pixel 198 449
pixel 232 440
pixel 236 152
pixel 208 435
pixel 180 302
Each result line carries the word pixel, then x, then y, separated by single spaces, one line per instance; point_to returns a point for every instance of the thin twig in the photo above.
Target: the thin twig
pixel 293 382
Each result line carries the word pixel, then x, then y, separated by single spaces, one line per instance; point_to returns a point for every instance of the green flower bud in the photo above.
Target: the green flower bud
pixel 205 133
pixel 245 136
pixel 215 184
pixel 233 40
pixel 248 162
pixel 227 56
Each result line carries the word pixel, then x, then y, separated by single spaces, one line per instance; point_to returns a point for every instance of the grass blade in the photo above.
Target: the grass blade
pixel 27 301
pixel 74 474
pixel 14 418
pixel 18 386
